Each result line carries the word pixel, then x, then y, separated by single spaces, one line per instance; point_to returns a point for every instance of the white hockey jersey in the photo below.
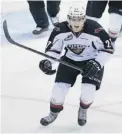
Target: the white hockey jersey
pixel 91 43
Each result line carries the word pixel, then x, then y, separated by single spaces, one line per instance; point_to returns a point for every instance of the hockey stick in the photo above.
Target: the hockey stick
pixel 5 28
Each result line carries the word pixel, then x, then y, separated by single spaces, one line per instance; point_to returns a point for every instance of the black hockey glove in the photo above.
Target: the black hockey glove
pixel 91 68
pixel 46 67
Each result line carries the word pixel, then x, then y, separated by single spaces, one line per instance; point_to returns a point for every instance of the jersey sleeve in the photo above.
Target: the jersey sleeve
pixel 55 43
pixel 104 45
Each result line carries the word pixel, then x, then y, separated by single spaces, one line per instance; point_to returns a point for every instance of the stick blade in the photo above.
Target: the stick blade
pixel 7 35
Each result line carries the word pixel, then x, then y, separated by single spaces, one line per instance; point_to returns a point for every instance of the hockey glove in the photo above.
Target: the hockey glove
pixel 91 68
pixel 46 67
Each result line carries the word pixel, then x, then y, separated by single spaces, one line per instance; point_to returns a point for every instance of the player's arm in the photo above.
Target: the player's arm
pixel 54 48
pixel 55 44
pixel 105 48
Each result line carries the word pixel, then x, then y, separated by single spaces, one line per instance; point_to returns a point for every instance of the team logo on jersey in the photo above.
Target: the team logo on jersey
pixel 98 30
pixel 76 48
pixel 69 37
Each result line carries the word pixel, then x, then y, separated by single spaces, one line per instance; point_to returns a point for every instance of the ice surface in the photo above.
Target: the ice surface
pixel 26 91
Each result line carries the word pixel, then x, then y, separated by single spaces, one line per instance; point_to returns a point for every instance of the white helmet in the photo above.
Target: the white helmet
pixel 76 18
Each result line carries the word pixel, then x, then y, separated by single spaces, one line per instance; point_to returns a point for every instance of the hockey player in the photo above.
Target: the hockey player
pixel 38 11
pixel 95 9
pixel 87 46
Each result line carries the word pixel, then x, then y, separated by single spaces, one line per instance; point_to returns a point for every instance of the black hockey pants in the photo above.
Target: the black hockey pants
pixel 37 9
pixel 97 8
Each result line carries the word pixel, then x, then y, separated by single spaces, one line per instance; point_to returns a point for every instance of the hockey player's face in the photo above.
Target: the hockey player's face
pixel 77 23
